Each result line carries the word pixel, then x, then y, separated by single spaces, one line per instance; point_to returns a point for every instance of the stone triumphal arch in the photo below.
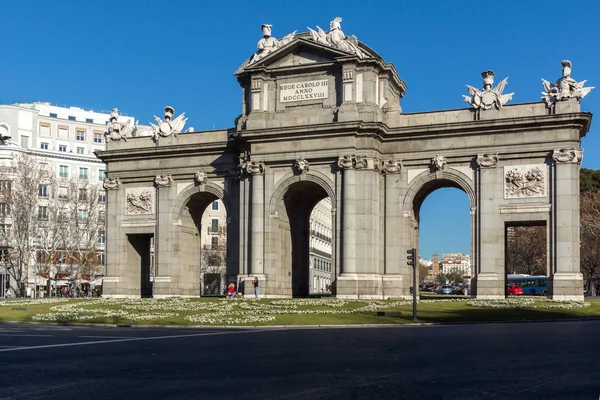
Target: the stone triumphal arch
pixel 322 118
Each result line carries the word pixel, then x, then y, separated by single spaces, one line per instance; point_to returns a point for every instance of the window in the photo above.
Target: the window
pixel 102 216
pixel 214 242
pixel 62 147
pixel 82 194
pixel 215 205
pixel 44 146
pixel 83 214
pixel 72 118
pixel 43 191
pixel 4 209
pixel 97 137
pixel 101 174
pixel 45 129
pixel 89 120
pixel 5 187
pixel 102 197
pixel 63 132
pixel 101 259
pixel 25 142
pixel 53 115
pixel 80 150
pixel 83 173
pixel 42 212
pixel 80 135
pixel 63 171
pixel 63 214
pixel 101 237
pixel 5 230
pixel 214 225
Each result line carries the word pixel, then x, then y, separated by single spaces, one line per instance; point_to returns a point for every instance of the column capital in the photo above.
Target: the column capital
pixel 111 184
pixel 163 181
pixel 487 160
pixel 573 155
pixel 251 167
pixel 391 166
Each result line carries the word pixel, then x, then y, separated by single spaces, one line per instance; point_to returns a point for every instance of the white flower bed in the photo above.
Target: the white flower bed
pixel 249 311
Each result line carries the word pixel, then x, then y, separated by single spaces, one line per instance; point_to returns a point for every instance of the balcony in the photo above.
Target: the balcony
pixel 213 229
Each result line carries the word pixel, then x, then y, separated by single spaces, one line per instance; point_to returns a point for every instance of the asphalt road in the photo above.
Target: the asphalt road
pixel 553 360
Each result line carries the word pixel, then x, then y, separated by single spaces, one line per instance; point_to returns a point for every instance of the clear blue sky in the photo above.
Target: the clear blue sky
pixel 142 55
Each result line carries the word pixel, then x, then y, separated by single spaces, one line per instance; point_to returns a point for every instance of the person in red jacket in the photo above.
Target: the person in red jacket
pixel 231 291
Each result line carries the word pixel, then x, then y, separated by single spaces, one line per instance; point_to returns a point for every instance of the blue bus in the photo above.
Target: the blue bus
pixel 532 285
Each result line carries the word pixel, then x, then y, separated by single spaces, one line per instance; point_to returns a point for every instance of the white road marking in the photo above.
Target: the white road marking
pixel 9 346
pixel 19 335
pixel 106 337
pixel 138 339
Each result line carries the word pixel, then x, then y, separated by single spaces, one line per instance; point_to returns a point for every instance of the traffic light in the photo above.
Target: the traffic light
pixel 412 253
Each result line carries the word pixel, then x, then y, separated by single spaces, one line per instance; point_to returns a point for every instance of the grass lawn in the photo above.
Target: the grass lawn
pixel 266 312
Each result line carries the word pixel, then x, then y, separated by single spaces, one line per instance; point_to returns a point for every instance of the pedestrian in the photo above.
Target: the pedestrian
pixel 231 292
pixel 255 284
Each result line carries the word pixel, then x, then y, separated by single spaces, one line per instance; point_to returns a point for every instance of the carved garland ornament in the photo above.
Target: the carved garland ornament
pixel 567 155
pixel 487 160
pixel 525 181
pixel 140 202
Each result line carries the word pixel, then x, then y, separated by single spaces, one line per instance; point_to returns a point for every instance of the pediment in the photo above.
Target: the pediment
pixel 299 51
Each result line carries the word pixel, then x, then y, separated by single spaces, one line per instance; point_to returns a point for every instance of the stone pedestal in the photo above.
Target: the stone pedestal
pixel 563 285
pixel 359 286
pixel 162 287
pixel 489 286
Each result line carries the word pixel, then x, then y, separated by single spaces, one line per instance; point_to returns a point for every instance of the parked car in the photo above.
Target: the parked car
pixel 446 289
pixel 514 290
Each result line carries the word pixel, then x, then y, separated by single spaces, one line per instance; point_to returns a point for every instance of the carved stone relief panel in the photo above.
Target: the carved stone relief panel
pixel 522 181
pixel 140 201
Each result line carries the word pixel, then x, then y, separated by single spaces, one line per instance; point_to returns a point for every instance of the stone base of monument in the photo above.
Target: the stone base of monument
pixel 563 285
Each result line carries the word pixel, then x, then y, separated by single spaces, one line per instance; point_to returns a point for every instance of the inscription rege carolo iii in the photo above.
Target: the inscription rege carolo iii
pixel 300 91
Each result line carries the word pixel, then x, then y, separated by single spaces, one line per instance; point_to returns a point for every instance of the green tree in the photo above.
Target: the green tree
pixel 590 238
pixel 455 277
pixel 589 180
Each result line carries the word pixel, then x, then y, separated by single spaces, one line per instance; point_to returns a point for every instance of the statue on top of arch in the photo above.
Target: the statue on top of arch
pixel 169 125
pixel 336 38
pixel 565 87
pixel 116 130
pixel 268 43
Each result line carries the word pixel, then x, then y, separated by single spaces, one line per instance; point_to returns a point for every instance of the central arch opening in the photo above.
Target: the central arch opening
pixel 442 211
pixel 203 245
pixel 305 248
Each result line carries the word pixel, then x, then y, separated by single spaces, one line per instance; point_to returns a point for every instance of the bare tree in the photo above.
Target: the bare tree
pixel 526 250
pixel 19 210
pixel 214 261
pixel 83 226
pixel 590 238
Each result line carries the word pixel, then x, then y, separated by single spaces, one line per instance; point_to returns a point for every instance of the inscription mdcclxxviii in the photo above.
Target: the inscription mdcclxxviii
pixel 300 91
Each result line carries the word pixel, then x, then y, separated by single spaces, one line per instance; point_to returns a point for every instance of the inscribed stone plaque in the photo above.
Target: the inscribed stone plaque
pixel 140 201
pixel 301 91
pixel 522 181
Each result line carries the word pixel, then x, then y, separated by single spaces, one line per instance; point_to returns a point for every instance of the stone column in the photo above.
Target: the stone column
pixel 566 282
pixel 257 218
pixel 162 256
pixel 113 264
pixel 489 234
pixel 394 256
pixel 347 164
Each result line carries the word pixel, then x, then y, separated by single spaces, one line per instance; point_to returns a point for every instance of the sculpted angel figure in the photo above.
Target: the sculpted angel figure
pixel 488 97
pixel 565 87
pixel 168 126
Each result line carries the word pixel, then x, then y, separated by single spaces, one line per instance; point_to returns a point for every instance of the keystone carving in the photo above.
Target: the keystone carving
pixel 438 162
pixel 567 155
pixel 200 178
pixel 301 166
pixel 487 160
